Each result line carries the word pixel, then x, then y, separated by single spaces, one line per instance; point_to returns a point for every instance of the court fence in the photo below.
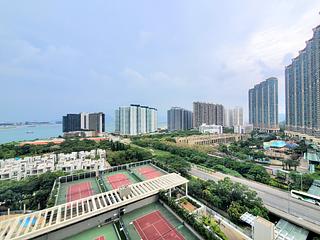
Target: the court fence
pixel 53 198
pixel 91 174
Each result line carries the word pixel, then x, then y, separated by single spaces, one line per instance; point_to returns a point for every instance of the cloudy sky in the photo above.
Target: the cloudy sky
pixel 71 56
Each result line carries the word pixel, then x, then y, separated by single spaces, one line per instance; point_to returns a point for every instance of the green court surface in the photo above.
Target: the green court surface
pixel 135 171
pixel 130 217
pixel 62 194
pixel 130 176
pixel 107 231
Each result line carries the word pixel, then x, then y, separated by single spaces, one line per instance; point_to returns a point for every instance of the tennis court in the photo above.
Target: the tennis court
pixel 154 222
pixel 118 179
pixel 78 191
pixel 100 238
pixel 70 191
pixel 147 172
pixel 154 226
pixel 106 232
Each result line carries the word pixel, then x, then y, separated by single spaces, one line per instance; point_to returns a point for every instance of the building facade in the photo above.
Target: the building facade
pixel 135 120
pixel 84 122
pixel 233 117
pixel 211 139
pixel 97 122
pixel 208 113
pixel 303 89
pixel 211 129
pixel 71 122
pixel 179 119
pixel 263 105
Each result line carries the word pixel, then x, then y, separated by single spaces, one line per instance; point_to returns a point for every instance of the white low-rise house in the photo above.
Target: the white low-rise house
pixel 28 166
pixel 211 129
pixel 81 164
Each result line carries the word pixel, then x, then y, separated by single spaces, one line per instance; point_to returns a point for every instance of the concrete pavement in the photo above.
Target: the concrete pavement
pixel 279 202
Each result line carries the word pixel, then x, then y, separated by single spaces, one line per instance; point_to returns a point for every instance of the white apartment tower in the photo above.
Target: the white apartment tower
pixel 233 117
pixel 135 120
pixel 237 116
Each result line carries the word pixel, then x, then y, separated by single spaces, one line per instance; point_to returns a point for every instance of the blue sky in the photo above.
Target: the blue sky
pixel 72 56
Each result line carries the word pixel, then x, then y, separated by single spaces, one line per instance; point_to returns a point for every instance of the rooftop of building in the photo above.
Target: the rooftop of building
pixel 286 230
pixel 315 188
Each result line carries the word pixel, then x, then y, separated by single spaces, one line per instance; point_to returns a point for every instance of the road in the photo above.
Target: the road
pixel 278 202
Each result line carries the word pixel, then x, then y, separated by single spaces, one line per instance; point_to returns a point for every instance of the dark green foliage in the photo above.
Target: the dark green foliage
pixel 132 154
pixel 307 180
pixel 30 191
pixel 234 198
pixel 175 163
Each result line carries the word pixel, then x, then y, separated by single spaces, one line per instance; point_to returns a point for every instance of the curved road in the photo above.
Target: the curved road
pixel 279 202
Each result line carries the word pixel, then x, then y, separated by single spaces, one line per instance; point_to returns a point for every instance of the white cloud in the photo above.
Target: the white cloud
pixel 265 51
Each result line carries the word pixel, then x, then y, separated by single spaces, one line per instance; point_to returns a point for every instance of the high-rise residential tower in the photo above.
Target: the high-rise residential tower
pixel 208 113
pixel 263 105
pixel 97 122
pixel 237 116
pixel 71 122
pixel 303 89
pixel 233 117
pixel 179 119
pixel 84 122
pixel 135 120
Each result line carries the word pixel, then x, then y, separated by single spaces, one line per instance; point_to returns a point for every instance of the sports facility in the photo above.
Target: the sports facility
pixel 154 222
pixel 155 226
pixel 77 189
pixel 147 172
pixel 117 179
pixel 106 232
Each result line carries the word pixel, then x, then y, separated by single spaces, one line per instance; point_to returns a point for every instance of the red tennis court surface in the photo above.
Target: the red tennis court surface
pixel 154 226
pixel 118 180
pixel 149 172
pixel 78 191
pixel 100 238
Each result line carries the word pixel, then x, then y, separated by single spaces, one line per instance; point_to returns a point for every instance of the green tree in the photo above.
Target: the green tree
pixel 235 211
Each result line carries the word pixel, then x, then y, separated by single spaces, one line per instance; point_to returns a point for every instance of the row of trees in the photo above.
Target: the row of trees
pixel 246 169
pixel 12 150
pixel 131 154
pixel 233 198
